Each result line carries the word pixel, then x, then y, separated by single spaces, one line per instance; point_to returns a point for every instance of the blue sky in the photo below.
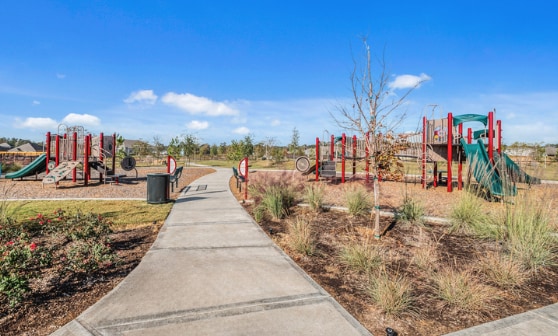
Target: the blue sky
pixel 220 70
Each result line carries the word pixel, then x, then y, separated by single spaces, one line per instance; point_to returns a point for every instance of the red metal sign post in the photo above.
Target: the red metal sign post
pixel 171 164
pixel 243 170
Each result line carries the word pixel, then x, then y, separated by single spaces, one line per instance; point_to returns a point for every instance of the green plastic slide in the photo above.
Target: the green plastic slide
pixel 517 174
pixel 486 174
pixel 36 166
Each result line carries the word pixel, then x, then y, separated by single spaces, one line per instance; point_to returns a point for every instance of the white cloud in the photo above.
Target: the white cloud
pixel 36 102
pixel 197 125
pixel 81 119
pixel 37 123
pixel 275 122
pixel 60 76
pixel 408 81
pixel 199 105
pixel 141 96
pixel 241 130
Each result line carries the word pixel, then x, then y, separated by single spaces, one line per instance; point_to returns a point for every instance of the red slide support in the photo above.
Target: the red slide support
pixel 450 151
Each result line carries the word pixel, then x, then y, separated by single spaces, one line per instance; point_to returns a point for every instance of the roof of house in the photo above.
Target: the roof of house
pixel 4 147
pixel 28 147
pixel 551 151
pixel 129 143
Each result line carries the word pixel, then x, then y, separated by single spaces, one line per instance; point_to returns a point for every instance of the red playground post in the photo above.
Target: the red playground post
pixel 450 151
pixel 317 159
pixel 343 147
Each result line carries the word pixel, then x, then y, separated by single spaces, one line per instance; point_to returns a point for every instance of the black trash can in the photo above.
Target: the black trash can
pixel 158 188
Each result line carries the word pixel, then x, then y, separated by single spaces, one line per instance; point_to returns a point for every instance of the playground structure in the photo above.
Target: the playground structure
pixel 440 140
pixel 71 150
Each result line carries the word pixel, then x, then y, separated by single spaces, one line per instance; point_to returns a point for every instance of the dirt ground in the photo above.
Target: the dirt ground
pixel 45 312
pixel 401 243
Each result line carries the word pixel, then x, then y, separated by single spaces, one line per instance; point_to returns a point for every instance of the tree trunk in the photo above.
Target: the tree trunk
pixel 377 229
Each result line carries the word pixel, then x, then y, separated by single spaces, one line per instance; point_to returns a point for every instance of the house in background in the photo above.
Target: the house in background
pixel 550 151
pixel 127 146
pixel 4 147
pixel 28 147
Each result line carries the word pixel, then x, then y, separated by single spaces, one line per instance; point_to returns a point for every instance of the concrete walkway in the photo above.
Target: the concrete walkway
pixel 213 271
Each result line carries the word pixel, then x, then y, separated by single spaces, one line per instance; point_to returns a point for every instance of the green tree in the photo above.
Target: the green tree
pixel 214 150
pixel 174 147
pixel 240 149
pixel 141 148
pixel 294 146
pixel 189 146
pixel 158 147
pixel 121 153
pixel 223 149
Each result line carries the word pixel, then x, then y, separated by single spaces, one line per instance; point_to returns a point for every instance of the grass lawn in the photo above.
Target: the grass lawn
pixel 123 214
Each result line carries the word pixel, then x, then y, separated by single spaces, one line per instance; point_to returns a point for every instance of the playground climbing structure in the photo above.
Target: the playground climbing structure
pixel 71 149
pixel 444 140
pixel 440 141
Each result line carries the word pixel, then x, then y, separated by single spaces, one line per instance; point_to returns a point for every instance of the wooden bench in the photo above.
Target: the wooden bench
pixel 175 177
pixel 239 179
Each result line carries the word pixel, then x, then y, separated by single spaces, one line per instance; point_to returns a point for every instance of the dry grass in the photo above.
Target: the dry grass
pixel 300 237
pixel 462 290
pixel 357 201
pixel 314 196
pixel 391 293
pixel 503 271
pixel 361 256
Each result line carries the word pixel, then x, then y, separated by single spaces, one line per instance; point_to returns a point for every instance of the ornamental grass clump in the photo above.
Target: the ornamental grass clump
pixel 503 271
pixel 391 293
pixel 411 211
pixel 462 290
pixel 301 237
pixel 362 257
pixel 274 195
pixel 314 196
pixel 277 200
pixel 467 216
pixel 528 233
pixel 357 201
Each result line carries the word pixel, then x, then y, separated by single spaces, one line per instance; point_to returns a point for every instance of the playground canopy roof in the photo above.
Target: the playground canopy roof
pixel 459 119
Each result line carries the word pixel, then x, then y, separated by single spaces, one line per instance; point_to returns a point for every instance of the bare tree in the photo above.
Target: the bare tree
pixel 374 114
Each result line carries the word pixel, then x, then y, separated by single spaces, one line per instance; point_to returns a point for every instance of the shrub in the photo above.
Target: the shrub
pixel 300 237
pixel 362 257
pixel 79 241
pixel 393 294
pixel 357 200
pixel 314 195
